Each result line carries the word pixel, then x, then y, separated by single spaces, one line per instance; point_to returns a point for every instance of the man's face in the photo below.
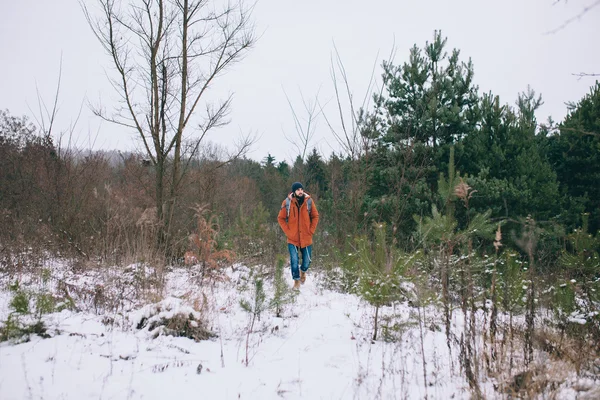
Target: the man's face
pixel 299 192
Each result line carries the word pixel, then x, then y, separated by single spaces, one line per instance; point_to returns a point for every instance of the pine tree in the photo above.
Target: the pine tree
pixel 316 174
pixel 431 98
pixel 429 104
pixel 254 308
pixel 575 155
pixel 507 161
pixel 282 294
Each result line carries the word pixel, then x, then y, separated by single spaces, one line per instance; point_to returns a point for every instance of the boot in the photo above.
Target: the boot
pixel 296 285
pixel 302 277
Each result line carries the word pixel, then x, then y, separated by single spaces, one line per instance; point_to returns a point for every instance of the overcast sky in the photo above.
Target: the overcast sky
pixel 506 40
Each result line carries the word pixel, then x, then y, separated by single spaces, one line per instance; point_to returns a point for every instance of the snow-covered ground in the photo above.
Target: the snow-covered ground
pixel 320 349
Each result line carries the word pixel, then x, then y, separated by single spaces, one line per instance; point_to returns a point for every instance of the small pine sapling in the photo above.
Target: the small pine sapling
pixel 254 309
pixel 380 272
pixel 282 293
pixel 580 295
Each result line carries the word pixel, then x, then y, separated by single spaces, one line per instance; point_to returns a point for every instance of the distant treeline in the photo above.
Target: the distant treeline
pixel 428 123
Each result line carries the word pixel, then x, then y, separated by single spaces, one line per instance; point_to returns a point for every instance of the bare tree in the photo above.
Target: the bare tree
pixel 305 126
pixel 352 119
pixel 167 54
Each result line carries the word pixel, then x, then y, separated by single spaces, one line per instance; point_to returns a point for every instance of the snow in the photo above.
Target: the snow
pixel 320 349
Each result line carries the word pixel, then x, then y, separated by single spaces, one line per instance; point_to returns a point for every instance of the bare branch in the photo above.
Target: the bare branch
pixel 242 148
pixel 349 138
pixel 110 42
pixel 305 133
pixel 585 10
pixel 45 115
pixel 583 75
pixel 52 116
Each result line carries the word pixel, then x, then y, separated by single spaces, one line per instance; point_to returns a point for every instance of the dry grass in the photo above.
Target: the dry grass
pixel 559 361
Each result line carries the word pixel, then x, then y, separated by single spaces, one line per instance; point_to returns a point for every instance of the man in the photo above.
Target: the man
pixel 298 218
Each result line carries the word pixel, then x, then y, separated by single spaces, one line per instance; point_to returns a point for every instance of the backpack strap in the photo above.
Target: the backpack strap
pixel 287 207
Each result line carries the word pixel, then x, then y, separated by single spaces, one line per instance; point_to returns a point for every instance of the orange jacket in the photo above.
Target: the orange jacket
pixel 300 226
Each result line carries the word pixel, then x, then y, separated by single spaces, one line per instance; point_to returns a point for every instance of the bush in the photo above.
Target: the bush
pixel 169 317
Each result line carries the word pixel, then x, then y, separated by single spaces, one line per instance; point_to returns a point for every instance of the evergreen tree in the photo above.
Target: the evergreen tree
pixel 272 186
pixel 530 171
pixel 282 293
pixel 575 154
pixel 507 163
pixel 316 174
pixel 298 170
pixel 431 99
pixel 430 103
pixel 269 161
pixel 284 170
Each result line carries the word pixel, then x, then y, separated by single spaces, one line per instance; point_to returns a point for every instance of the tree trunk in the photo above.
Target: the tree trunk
pixel 160 172
pixel 376 320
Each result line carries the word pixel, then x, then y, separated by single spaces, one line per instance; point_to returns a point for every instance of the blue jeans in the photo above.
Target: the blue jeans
pixel 306 252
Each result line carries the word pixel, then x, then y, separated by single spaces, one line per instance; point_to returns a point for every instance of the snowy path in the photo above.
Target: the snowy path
pixel 319 351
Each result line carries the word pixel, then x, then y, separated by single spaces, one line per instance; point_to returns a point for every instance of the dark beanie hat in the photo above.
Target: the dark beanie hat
pixel 296 186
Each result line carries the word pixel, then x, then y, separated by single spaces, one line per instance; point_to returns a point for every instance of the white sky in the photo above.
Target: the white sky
pixel 506 40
